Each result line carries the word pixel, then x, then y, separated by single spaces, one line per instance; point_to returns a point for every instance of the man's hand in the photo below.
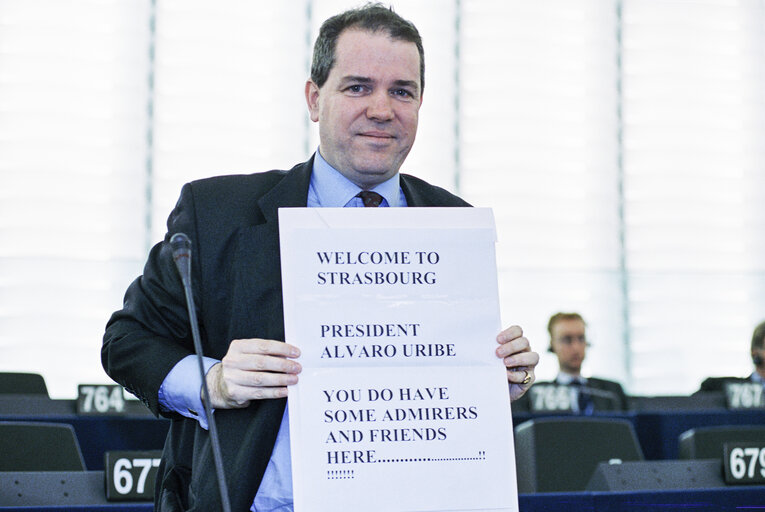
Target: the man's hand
pixel 515 351
pixel 252 369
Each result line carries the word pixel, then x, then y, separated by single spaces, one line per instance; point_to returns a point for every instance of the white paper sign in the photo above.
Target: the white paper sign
pixel 402 404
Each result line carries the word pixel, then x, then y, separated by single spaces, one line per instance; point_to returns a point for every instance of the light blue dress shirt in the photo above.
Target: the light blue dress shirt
pixel 180 389
pixel 564 379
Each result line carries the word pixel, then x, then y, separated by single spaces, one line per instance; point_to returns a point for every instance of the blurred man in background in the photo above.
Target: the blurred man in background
pixel 758 361
pixel 568 341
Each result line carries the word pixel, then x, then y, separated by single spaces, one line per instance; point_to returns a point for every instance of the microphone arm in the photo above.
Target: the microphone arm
pixel 602 393
pixel 605 394
pixel 181 246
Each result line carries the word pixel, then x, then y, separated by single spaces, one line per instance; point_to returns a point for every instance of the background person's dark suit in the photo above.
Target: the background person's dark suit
pixel 606 395
pixel 613 397
pixel 232 222
pixel 718 383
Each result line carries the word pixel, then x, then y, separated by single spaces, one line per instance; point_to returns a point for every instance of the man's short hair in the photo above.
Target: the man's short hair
pixel 557 317
pixel 758 337
pixel 373 17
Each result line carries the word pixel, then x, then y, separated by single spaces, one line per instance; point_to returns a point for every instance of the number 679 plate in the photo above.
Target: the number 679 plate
pixel 744 462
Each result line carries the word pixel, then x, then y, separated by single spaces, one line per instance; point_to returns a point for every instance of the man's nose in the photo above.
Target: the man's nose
pixel 380 107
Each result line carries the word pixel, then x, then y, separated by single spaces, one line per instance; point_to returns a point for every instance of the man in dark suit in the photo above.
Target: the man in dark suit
pixel 758 361
pixel 568 341
pixel 365 92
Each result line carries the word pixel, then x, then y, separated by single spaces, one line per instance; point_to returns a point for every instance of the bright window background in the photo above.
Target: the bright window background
pixel 694 142
pixel 73 153
pixel 538 143
pixel 619 142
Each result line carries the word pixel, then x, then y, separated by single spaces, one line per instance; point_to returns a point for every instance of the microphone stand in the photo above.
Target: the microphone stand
pixel 181 245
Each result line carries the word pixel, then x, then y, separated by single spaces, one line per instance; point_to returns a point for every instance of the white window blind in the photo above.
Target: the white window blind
pixel 228 92
pixel 434 155
pixel 694 140
pixel 619 142
pixel 73 97
pixel 538 127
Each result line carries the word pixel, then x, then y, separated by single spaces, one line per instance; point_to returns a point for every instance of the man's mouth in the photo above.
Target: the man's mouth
pixel 377 135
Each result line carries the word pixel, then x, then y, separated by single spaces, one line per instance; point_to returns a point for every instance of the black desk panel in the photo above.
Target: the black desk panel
pixel 113 507
pixel 658 429
pixel 659 421
pixel 729 499
pixel 659 432
pixel 138 429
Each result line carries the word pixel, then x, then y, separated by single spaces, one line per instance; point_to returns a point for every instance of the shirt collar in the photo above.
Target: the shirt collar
pixel 565 379
pixel 335 190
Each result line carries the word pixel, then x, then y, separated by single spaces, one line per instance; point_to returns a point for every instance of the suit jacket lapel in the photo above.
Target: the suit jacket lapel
pixel 414 195
pixel 290 192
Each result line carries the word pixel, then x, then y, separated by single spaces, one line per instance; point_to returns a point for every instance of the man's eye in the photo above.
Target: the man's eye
pixel 355 88
pixel 403 93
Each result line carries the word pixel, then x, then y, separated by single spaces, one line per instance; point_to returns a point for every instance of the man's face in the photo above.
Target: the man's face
pixel 569 344
pixel 367 109
pixel 759 352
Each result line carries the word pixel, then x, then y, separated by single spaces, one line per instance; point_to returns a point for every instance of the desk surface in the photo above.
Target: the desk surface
pixel 41 407
pixel 137 429
pixel 727 499
pixel 658 423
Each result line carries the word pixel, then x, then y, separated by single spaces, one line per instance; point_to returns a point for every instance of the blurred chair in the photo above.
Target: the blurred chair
pixel 22 384
pixel 707 442
pixel 561 454
pixel 35 446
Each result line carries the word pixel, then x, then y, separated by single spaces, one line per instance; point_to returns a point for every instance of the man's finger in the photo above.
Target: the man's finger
pixel 509 334
pixel 260 363
pixel 262 346
pixel 261 379
pixel 516 346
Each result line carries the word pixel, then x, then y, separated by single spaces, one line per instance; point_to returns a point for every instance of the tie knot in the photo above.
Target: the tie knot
pixel 371 199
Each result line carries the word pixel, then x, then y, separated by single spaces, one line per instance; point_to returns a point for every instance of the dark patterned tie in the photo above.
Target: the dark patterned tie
pixel 584 398
pixel 371 199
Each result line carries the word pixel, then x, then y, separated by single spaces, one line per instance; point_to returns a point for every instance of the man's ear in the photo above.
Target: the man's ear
pixel 312 99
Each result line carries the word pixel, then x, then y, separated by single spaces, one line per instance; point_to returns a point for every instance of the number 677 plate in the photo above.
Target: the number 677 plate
pixel 131 475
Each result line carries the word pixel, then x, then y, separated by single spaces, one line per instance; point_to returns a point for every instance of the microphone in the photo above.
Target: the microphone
pixel 602 393
pixel 181 247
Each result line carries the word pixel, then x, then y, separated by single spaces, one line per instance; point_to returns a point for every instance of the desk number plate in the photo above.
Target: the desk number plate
pixel 743 395
pixel 549 398
pixel 94 399
pixel 744 462
pixel 131 475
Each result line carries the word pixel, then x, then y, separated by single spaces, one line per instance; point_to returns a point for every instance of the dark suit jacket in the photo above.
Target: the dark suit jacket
pixel 232 222
pixel 718 383
pixel 613 399
pixel 607 395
